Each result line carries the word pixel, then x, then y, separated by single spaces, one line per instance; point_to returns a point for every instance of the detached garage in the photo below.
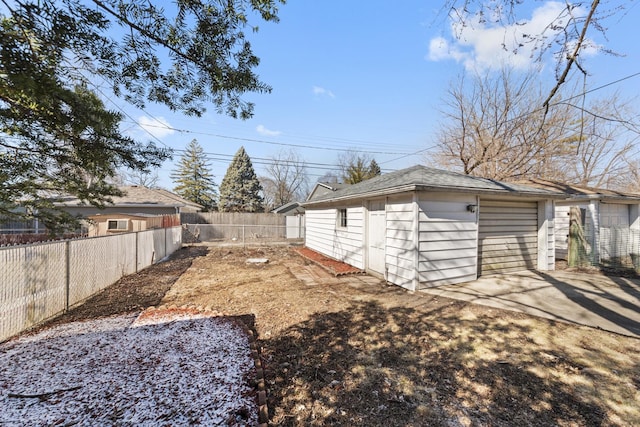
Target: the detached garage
pixel 422 227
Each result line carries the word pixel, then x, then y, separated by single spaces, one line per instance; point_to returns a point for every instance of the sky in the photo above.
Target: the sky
pixel 368 79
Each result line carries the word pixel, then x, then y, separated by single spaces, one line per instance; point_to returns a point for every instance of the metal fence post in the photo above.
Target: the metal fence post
pixel 67 290
pixel 137 233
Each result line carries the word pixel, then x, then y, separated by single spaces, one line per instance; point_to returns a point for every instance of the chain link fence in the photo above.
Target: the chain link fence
pixel 33 285
pixel 614 247
pixel 39 281
pixel 241 228
pixel 242 234
pixel 619 248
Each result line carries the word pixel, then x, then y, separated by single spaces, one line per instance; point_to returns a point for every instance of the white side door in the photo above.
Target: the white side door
pixel 376 231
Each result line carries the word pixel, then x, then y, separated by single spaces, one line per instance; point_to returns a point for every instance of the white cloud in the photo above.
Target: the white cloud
pixel 266 132
pixel 320 91
pixel 478 44
pixel 159 127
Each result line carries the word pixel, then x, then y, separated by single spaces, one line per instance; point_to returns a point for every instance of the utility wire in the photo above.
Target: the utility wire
pixel 262 141
pixel 402 155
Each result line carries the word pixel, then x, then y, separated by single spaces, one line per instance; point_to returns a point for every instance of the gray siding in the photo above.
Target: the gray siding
pixel 400 256
pixel 507 236
pixel 447 239
pixel 323 235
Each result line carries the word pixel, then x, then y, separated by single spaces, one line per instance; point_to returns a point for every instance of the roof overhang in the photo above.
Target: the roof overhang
pixel 537 195
pixel 630 200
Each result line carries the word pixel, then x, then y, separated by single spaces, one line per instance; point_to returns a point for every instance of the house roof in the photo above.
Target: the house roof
pixel 582 192
pixel 423 178
pixel 119 215
pixel 290 208
pixel 322 188
pixel 136 196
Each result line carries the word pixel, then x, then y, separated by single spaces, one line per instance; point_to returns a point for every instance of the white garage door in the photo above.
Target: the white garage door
pixel 507 236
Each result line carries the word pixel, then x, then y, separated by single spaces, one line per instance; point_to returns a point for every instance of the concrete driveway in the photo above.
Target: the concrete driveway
pixel 609 303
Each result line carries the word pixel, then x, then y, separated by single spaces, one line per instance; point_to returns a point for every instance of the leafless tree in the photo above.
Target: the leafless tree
pixel 567 35
pixel 492 128
pixel 489 128
pixel 329 177
pixel 627 178
pixel 604 149
pixel 285 180
pixel 141 179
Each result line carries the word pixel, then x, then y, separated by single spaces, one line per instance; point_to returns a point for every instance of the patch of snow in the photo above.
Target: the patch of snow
pixel 172 369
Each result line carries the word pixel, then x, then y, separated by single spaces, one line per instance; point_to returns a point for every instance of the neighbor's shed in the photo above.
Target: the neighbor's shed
pixel 420 227
pixel 294 219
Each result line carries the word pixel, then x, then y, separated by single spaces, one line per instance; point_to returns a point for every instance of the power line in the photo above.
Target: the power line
pixel 409 155
pixel 262 141
pixel 226 158
pixel 565 101
pixel 264 161
pixel 127 114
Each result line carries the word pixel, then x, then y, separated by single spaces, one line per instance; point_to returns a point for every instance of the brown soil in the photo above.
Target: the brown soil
pixel 356 351
pixel 137 291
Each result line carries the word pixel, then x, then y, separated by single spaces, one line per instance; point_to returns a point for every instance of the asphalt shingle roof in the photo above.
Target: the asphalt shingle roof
pixel 576 191
pixel 136 195
pixel 425 178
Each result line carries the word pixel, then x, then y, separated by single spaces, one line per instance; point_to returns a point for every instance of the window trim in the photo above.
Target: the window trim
pixel 342 220
pixel 119 223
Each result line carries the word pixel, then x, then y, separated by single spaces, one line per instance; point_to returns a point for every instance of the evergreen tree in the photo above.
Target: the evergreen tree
pixel 240 188
pixel 374 169
pixel 354 168
pixel 193 180
pixel 56 136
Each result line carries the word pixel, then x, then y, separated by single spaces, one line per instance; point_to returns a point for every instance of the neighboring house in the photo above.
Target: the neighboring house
pixel 105 224
pixel 324 188
pixel 422 227
pixel 136 200
pixel 610 220
pixel 294 213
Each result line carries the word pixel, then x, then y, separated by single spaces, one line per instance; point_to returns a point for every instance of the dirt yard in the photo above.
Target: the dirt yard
pixel 355 351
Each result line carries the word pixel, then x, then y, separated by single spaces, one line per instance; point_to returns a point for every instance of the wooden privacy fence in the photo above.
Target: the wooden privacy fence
pixel 39 281
pixel 163 221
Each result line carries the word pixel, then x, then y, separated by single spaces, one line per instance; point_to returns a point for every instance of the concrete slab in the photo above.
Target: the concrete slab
pixel 609 303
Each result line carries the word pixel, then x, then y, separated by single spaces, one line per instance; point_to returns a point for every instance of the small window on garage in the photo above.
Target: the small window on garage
pixel 118 224
pixel 342 218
